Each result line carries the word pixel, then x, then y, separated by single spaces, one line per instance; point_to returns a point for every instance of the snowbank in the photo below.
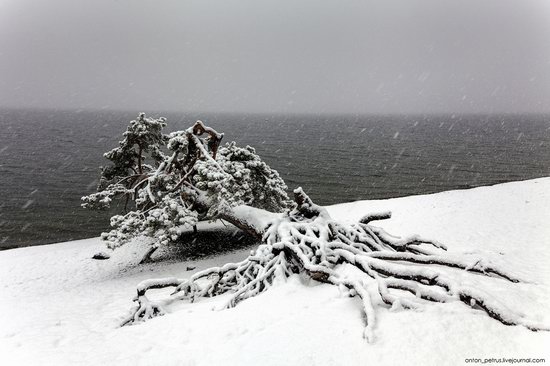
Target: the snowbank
pixel 57 306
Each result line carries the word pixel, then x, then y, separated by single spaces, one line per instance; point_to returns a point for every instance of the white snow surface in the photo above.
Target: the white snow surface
pixel 60 307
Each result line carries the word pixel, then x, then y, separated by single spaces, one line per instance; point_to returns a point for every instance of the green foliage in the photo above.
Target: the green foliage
pixel 244 179
pixel 171 182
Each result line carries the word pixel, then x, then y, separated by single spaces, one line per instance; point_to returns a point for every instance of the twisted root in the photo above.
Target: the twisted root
pixel 308 241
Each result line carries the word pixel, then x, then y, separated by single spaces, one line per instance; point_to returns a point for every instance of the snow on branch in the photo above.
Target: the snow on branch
pixel 170 182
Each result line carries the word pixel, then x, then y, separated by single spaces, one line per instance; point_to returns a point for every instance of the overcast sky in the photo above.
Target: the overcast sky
pixel 277 56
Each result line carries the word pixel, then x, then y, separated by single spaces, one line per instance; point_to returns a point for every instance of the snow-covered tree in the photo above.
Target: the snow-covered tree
pixel 173 181
pixel 199 180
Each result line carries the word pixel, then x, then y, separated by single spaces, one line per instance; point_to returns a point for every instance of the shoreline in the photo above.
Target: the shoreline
pixel 2 249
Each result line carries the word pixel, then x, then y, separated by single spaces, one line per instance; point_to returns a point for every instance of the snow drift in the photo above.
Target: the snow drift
pixel 60 307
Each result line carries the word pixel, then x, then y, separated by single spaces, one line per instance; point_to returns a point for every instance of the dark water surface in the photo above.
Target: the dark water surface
pixel 49 159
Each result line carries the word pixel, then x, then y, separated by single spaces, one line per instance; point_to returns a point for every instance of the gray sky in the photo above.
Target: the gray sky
pixel 288 56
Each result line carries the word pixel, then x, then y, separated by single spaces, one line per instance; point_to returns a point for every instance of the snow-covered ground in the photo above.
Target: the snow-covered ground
pixel 57 306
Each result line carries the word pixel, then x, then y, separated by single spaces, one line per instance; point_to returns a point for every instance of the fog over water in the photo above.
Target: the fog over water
pixel 277 56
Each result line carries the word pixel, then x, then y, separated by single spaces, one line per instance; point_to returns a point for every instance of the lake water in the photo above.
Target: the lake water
pixel 49 159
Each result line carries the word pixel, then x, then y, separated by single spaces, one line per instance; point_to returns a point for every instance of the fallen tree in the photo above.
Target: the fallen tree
pixel 200 180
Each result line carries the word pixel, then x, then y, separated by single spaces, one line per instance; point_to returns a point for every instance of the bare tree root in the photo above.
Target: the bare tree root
pixel 307 241
pixel 147 256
